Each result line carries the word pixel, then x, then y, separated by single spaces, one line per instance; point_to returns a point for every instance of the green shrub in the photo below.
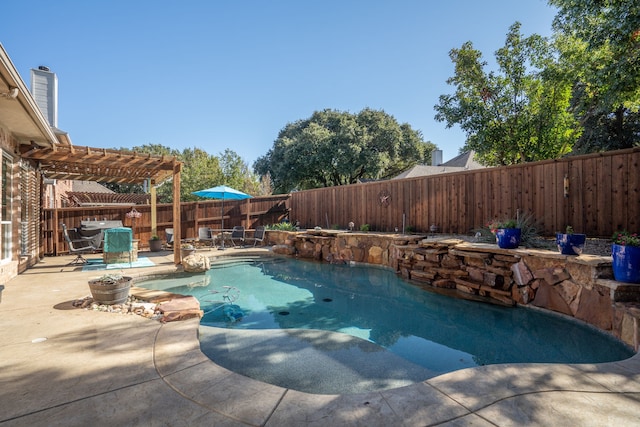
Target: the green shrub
pixel 282 226
pixel 364 227
pixel 109 279
pixel 530 231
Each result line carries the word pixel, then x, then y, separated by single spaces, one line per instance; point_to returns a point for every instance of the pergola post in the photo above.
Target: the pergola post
pixel 154 213
pixel 177 256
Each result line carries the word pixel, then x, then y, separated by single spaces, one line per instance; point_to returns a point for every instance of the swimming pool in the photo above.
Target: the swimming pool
pixel 426 333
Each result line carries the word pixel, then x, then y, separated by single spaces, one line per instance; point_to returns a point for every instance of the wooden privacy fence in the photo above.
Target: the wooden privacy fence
pixel 596 194
pixel 248 213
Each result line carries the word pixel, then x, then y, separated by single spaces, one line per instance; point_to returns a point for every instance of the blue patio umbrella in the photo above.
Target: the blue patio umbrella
pixel 224 193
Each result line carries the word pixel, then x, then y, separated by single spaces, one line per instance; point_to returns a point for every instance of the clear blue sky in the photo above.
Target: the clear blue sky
pixel 231 74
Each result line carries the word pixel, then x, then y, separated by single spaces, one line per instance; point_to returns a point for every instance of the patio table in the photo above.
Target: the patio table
pixel 220 234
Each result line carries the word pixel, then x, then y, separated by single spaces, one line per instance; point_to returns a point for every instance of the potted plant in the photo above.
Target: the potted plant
pixel 155 244
pixel 626 256
pixel 569 242
pixel 110 288
pixel 187 249
pixel 507 233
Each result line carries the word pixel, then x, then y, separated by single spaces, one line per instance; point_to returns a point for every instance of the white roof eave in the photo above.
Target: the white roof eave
pixel 25 100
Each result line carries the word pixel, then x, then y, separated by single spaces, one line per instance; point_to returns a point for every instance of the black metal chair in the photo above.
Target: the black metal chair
pixel 204 235
pixel 169 236
pixel 258 236
pixel 237 234
pixel 78 246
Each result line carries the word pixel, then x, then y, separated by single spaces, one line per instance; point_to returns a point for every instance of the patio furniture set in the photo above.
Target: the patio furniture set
pixel 115 241
pixel 237 236
pixel 95 236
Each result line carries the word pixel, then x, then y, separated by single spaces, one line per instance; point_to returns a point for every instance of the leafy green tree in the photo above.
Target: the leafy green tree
pixel 266 185
pixel 201 170
pixel 517 114
pixel 337 148
pixel 601 49
pixel 237 174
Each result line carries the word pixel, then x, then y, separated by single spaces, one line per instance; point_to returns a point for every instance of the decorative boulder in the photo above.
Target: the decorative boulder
pixel 196 263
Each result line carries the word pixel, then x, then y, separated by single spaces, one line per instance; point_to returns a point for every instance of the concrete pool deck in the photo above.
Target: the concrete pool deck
pixel 65 366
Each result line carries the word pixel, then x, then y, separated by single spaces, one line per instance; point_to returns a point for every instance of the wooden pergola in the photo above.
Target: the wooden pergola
pixel 110 166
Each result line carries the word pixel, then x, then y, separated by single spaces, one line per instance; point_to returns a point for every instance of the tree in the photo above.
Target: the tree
pixel 201 170
pixel 237 174
pixel 517 114
pixel 337 148
pixel 601 47
pixel 266 185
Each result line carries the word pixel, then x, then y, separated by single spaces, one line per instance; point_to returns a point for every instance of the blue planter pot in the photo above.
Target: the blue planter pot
pixel 626 263
pixel 508 238
pixel 571 244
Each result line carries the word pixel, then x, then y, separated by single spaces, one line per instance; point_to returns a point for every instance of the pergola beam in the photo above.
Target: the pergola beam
pixel 101 165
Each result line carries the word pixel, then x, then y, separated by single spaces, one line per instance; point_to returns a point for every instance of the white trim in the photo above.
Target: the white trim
pixel 6 227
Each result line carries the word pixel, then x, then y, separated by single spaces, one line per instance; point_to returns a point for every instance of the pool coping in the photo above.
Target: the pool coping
pixel 107 369
pixel 468 395
pixel 493 394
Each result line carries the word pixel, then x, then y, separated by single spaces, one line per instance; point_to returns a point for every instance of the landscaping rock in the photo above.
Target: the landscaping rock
pixel 180 309
pixel 196 263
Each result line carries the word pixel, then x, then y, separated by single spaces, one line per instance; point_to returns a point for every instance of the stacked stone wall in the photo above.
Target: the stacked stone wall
pixel 579 287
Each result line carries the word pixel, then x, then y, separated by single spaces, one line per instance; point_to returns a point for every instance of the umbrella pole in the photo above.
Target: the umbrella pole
pixel 222 226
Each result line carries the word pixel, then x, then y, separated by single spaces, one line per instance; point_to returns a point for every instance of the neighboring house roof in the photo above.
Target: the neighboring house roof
pixel 89 187
pixel 105 199
pixel 424 170
pixel 463 162
pixel 91 193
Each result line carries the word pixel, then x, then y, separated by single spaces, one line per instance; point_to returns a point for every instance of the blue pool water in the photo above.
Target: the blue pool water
pixel 436 332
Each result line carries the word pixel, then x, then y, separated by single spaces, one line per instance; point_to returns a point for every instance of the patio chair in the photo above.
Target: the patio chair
pixel 237 234
pixel 204 235
pixel 95 237
pixel 78 246
pixel 258 236
pixel 168 232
